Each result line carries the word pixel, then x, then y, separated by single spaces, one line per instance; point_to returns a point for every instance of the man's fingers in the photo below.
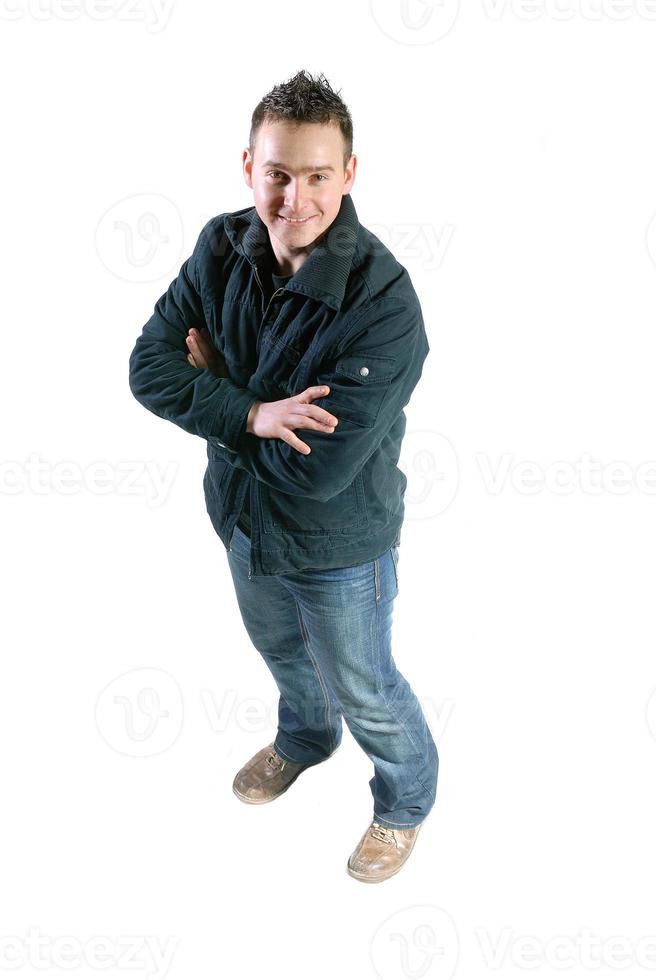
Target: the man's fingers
pixel 316 391
pixel 204 348
pixel 304 398
pixel 289 437
pixel 308 422
pixel 192 347
pixel 200 359
pixel 316 413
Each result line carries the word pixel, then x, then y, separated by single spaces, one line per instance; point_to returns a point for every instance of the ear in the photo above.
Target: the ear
pixel 247 166
pixel 349 174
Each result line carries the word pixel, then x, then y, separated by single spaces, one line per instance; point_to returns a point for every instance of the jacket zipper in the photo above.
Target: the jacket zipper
pixel 250 563
pixel 280 289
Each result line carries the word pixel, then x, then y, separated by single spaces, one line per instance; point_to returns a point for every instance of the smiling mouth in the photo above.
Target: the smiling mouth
pixel 296 221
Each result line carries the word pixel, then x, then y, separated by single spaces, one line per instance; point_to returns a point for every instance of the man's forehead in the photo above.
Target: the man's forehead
pixel 282 142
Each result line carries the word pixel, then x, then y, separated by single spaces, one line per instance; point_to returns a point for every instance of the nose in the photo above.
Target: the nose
pixel 295 197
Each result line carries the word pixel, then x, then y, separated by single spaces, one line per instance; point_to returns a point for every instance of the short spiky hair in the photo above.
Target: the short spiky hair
pixel 304 99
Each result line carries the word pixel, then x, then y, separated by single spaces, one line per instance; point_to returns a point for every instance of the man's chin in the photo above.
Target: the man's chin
pixel 296 240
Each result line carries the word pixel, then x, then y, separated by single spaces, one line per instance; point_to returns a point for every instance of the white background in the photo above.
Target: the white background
pixel 506 154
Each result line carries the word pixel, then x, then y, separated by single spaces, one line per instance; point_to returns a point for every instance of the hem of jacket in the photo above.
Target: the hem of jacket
pixel 298 558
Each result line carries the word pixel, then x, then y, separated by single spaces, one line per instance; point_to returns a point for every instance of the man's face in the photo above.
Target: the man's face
pixel 297 171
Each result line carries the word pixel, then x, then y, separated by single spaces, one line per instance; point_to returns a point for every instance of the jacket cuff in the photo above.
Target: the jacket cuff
pixel 229 423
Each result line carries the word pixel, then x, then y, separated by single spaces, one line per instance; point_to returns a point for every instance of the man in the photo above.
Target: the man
pixel 291 317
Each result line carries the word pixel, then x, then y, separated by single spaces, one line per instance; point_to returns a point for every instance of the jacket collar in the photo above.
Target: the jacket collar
pixel 324 273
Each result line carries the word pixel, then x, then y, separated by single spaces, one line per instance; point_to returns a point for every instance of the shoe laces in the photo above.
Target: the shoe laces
pixel 275 761
pixel 386 834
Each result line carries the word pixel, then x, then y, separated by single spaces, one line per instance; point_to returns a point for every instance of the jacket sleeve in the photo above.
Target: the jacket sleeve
pixel 165 383
pixel 371 380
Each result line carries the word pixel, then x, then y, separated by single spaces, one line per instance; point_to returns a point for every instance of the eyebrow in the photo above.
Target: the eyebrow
pixel 303 170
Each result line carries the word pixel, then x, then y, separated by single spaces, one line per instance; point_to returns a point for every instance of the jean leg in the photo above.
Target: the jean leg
pixel 347 613
pixel 309 720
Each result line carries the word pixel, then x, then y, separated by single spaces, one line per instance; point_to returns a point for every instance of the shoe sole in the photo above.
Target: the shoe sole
pixel 270 799
pixel 374 881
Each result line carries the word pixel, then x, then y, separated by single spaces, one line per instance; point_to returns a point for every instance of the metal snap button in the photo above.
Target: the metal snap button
pixel 364 371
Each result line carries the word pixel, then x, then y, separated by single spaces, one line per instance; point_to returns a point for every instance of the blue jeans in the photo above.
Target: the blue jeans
pixel 326 637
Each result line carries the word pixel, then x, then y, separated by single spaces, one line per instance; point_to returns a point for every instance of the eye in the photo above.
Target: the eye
pixel 276 174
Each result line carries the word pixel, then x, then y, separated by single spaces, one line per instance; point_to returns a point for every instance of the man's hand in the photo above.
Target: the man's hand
pixel 203 353
pixel 276 420
pixel 268 420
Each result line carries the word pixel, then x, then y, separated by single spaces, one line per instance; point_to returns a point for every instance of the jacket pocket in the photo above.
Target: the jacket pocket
pixel 277 363
pixel 346 511
pixel 358 387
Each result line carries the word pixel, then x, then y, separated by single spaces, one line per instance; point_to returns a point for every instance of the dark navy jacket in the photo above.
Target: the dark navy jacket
pixel 350 319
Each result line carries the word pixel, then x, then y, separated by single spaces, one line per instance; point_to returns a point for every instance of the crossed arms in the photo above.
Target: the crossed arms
pixel 386 338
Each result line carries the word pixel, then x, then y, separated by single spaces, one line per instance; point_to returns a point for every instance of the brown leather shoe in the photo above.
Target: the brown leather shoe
pixel 266 776
pixel 381 852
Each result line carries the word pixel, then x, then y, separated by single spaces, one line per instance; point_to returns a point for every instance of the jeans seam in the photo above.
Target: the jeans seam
pixel 381 691
pixel 396 571
pixel 327 704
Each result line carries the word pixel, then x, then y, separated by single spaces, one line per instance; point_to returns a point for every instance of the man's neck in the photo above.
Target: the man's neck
pixel 289 264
